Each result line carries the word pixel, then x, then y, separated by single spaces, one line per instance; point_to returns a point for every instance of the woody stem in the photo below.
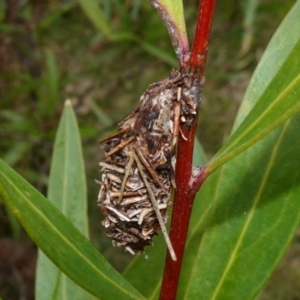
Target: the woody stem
pixel 186 185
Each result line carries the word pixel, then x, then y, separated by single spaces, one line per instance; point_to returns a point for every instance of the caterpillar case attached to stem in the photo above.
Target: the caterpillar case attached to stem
pixel 139 165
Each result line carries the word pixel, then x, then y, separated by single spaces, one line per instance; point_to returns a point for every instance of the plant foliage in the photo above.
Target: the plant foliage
pixel 243 219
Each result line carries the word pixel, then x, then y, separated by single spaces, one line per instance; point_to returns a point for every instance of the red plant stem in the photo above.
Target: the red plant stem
pixel 201 39
pixel 186 185
pixel 183 201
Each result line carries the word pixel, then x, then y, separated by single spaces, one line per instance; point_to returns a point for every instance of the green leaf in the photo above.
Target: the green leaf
pixel 55 15
pixel 277 91
pixel 16 152
pixel 171 12
pixel 248 212
pixel 61 241
pixel 48 90
pixel 52 82
pixel 146 274
pixel 159 53
pixel 249 10
pixel 96 15
pixel 67 191
pixel 93 11
pixel 275 56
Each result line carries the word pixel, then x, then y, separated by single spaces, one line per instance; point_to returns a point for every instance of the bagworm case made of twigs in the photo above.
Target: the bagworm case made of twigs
pixel 139 165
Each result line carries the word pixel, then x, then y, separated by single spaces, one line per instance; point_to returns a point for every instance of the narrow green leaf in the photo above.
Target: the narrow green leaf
pixel 249 10
pixel 48 90
pixel 146 274
pixel 175 11
pixel 248 211
pixel 61 241
pixel 67 191
pixel 93 11
pixel 159 53
pixel 105 120
pixel 52 82
pixel 18 122
pixel 273 59
pixel 171 12
pixel 55 15
pixel 278 100
pixel 16 152
pixel 96 15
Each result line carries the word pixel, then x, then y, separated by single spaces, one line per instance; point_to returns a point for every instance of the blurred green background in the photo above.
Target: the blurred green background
pixel 53 50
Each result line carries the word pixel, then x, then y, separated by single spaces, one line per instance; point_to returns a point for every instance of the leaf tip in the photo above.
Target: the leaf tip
pixel 68 102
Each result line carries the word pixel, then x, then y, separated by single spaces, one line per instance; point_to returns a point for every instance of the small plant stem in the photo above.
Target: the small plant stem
pixel 186 185
pixel 201 39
